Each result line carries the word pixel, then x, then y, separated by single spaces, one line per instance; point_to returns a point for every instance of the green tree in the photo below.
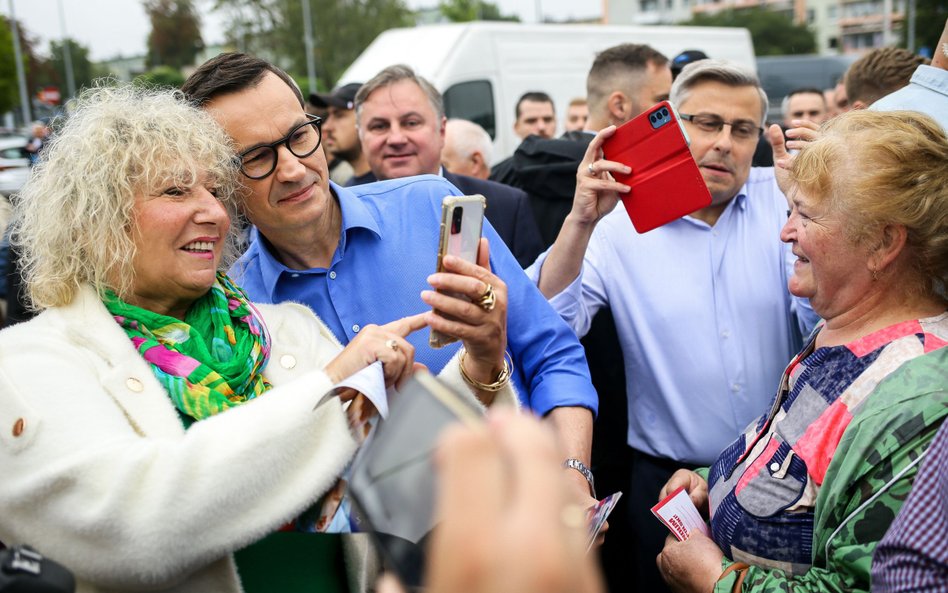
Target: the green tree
pixel 461 11
pixel 161 76
pixel 175 37
pixel 9 94
pixel 773 33
pixel 33 65
pixel 273 29
pixel 83 70
pixel 929 23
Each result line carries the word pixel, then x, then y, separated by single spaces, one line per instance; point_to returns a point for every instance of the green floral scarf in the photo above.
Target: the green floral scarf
pixel 211 361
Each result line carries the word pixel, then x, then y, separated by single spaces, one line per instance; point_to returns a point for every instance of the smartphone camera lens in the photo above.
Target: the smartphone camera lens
pixel 456 220
pixel 659 117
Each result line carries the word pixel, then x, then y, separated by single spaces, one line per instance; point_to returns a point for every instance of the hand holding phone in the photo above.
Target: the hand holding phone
pixel 666 183
pixel 462 219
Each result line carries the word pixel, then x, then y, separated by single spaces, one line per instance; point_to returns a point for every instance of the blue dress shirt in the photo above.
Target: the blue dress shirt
pixel 704 318
pixel 927 93
pixel 387 249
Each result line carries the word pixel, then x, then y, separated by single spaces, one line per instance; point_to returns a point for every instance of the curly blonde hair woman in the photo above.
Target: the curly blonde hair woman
pixel 153 420
pixel 122 140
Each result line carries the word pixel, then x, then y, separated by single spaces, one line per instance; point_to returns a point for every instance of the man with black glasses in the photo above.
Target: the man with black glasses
pixel 701 305
pixel 364 255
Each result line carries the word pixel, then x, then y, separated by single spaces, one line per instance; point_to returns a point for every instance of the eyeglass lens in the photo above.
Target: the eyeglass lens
pixel 739 129
pixel 302 141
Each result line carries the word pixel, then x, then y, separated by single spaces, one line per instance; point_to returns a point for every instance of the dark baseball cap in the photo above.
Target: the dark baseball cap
pixel 686 57
pixel 342 97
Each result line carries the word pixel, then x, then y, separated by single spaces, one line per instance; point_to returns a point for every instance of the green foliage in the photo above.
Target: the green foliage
pixel 773 33
pixel 175 37
pixel 273 29
pixel 83 70
pixel 929 23
pixel 9 94
pixel 161 76
pixel 461 11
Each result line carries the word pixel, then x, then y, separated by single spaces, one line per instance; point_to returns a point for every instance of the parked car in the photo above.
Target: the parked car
pixel 14 164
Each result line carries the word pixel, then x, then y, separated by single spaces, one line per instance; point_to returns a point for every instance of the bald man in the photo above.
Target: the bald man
pixel 467 149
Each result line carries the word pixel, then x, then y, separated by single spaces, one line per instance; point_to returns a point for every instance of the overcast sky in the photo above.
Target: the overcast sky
pixel 120 27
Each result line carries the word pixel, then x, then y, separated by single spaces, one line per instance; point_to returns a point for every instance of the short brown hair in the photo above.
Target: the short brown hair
pixel 880 72
pixel 231 73
pixel 878 168
pixel 619 68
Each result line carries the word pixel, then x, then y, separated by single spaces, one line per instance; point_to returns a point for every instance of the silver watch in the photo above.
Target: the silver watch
pixel 581 468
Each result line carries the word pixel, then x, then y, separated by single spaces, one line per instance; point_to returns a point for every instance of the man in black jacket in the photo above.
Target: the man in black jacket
pixel 623 82
pixel 401 125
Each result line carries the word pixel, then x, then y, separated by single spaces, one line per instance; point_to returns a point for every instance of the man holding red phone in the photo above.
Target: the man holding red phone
pixel 704 318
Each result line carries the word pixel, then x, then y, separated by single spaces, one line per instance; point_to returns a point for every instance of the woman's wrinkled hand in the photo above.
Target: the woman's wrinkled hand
pixel 384 343
pixel 690 566
pixel 694 485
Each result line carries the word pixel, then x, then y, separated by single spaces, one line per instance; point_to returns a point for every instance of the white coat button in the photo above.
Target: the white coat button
pixel 134 385
pixel 288 361
pixel 774 466
pixel 725 334
pixel 735 388
pixel 332 275
pixel 356 328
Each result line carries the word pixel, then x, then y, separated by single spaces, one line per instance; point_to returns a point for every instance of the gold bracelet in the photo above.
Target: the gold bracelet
pixel 502 378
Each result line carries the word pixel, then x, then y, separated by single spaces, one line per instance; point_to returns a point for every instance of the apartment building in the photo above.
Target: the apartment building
pixel 841 26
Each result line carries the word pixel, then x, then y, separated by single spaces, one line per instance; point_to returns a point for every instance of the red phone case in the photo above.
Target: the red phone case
pixel 666 183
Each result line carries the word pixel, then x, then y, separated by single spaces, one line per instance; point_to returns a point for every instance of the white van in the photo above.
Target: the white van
pixel 482 68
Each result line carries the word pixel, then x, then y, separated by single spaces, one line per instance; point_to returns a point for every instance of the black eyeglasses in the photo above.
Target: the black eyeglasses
pixel 302 141
pixel 713 124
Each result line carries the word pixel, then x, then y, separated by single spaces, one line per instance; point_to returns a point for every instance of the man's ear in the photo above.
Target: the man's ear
pixel 618 106
pixel 857 104
pixel 480 168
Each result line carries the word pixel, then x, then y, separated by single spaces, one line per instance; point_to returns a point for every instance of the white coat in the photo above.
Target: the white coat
pixel 97 472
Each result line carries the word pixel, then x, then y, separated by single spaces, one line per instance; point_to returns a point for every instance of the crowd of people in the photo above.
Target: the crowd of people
pixel 210 267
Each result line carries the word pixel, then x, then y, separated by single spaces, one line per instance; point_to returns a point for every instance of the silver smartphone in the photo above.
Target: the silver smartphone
pixel 462 219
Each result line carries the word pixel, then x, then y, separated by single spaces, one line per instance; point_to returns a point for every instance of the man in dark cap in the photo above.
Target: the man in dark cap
pixel 340 135
pixel 684 58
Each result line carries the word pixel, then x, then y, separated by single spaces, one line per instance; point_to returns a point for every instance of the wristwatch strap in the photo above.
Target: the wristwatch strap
pixel 581 468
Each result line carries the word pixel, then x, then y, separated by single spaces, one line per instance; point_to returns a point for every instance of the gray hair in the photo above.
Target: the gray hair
pixel 390 76
pixel 722 71
pixel 468 138
pixel 75 222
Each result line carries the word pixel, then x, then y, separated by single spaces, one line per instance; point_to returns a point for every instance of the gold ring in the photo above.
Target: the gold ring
pixel 487 300
pixel 591 170
pixel 391 343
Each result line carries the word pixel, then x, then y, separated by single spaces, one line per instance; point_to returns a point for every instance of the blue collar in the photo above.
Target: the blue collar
pixel 355 215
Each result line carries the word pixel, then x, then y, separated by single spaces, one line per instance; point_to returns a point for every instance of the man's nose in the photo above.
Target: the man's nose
pixel 289 167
